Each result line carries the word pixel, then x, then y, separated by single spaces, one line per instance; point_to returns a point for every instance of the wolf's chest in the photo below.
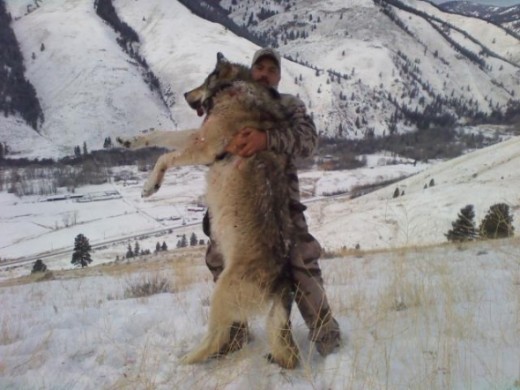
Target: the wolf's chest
pixel 222 179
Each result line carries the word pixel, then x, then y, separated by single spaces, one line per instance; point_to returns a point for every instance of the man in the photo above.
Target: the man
pixel 299 140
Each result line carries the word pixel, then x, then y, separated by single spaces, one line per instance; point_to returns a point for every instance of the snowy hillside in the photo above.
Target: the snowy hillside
pixel 89 88
pixel 397 54
pixel 506 15
pixel 430 200
pixel 415 311
pixel 363 67
pixel 423 215
pixel 412 314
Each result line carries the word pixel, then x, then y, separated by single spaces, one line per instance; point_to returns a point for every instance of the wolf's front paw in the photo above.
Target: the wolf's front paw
pixel 150 187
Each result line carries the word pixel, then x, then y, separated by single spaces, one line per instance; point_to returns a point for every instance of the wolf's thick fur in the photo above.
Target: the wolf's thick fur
pixel 248 201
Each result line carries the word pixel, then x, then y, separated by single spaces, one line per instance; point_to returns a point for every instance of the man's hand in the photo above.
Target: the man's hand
pixel 248 142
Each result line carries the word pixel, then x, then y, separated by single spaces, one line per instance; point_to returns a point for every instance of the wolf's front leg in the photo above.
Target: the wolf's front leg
pixel 154 181
pixel 137 142
pixel 159 138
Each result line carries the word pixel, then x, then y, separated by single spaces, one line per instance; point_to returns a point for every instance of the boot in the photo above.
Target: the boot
pixel 326 337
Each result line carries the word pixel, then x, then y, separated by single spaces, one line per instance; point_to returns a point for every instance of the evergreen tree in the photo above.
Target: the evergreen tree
pixel 81 253
pixel 107 143
pixel 77 151
pixel 164 247
pixel 497 223
pixel 463 229
pixel 85 151
pixel 129 252
pixel 158 247
pixel 137 249
pixel 193 239
pixel 39 266
pixel 183 242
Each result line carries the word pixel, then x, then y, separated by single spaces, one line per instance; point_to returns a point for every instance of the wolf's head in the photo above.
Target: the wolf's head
pixel 224 74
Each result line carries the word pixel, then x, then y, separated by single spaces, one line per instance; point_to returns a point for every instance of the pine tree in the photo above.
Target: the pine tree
pixel 39 266
pixel 107 143
pixel 497 223
pixel 183 242
pixel 81 254
pixel 463 229
pixel 164 247
pixel 193 239
pixel 129 252
pixel 158 247
pixel 137 249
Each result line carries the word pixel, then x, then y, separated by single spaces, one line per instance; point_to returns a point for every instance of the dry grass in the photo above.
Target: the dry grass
pixel 9 331
pixel 188 263
pixel 423 301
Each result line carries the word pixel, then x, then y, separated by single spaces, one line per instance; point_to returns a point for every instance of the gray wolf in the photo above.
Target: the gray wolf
pixel 248 201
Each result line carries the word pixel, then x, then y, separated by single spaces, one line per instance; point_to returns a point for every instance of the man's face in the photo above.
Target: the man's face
pixel 266 72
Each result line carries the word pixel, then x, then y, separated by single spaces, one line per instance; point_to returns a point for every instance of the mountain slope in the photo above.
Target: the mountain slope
pixel 408 50
pixel 88 87
pixel 507 17
pixel 363 68
pixel 422 215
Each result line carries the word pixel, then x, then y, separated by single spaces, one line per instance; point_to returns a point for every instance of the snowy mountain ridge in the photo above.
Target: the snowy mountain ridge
pixel 363 67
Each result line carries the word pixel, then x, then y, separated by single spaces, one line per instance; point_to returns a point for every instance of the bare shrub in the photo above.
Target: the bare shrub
pixel 146 286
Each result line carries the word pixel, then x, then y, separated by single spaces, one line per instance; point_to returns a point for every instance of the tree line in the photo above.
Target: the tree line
pixel 17 94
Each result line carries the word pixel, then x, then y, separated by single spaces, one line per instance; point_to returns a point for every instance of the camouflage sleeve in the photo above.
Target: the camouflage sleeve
pixel 300 138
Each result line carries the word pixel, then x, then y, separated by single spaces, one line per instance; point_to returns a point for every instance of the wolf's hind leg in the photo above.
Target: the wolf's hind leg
pixel 284 350
pixel 224 314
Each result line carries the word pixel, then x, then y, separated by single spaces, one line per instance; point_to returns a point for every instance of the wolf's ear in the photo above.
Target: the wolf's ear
pixel 221 58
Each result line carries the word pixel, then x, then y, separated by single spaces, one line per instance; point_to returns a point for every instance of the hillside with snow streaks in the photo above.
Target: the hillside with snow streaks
pixel 507 16
pixel 363 67
pixel 397 55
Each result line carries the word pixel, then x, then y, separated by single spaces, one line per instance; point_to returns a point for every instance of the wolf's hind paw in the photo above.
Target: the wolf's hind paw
pixel 190 358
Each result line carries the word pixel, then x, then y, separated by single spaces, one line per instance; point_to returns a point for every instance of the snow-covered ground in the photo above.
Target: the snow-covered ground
pixel 437 318
pixel 415 311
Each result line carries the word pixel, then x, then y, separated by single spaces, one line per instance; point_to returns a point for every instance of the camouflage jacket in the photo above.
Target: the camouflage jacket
pixel 297 141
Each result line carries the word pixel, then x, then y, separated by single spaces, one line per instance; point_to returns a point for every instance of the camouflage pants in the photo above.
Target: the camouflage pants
pixel 309 292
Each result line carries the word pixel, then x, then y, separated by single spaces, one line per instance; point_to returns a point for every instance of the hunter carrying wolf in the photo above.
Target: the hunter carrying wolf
pixel 297 141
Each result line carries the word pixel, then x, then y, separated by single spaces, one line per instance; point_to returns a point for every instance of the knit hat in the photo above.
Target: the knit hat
pixel 267 52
